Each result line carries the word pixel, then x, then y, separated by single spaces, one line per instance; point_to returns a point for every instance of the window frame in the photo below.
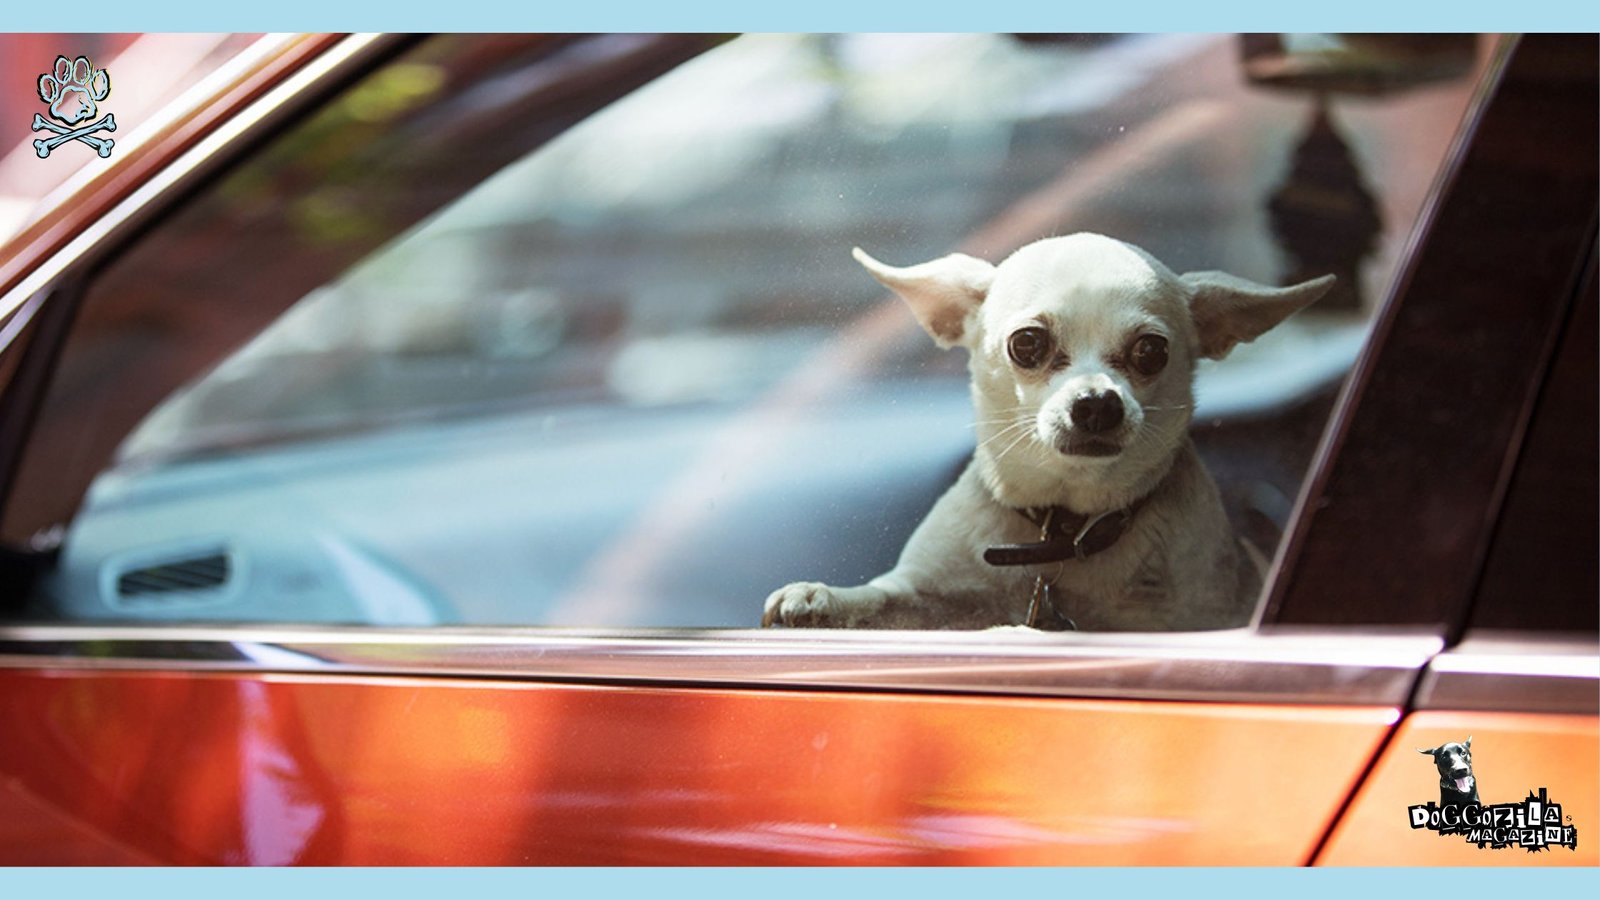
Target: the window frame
pixel 1356 659
pixel 1339 528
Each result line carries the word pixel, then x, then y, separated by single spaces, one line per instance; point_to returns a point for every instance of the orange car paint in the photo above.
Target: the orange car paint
pixel 128 767
pixel 1512 754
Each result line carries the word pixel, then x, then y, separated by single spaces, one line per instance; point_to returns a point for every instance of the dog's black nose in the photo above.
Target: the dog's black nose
pixel 1098 412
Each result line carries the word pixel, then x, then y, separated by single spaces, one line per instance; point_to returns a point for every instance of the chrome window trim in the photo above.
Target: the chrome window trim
pixel 1509 672
pixel 1325 668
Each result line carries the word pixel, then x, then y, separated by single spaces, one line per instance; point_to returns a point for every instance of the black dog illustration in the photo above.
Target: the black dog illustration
pixel 1457 786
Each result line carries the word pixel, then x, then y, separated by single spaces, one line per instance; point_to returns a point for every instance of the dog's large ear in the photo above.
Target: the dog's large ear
pixel 1229 310
pixel 1468 742
pixel 943 294
pixel 1429 752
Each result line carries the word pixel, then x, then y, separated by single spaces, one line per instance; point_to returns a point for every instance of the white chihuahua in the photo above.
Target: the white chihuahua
pixel 1085 505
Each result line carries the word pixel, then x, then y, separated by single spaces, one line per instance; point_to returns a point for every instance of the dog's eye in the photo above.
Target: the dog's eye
pixel 1030 347
pixel 1149 354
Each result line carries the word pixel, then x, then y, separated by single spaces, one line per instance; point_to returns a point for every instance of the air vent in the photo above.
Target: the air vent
pixel 181 576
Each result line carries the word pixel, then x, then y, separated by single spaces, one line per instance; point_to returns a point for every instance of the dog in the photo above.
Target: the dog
pixel 1457 785
pixel 1085 505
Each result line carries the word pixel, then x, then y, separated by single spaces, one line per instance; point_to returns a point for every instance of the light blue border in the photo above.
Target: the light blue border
pixel 862 15
pixel 802 884
pixel 695 15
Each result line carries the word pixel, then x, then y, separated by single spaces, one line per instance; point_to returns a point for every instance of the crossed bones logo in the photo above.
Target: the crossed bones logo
pixel 72 91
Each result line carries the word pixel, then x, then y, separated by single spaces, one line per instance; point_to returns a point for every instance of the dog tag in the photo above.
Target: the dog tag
pixel 1043 613
pixel 1051 618
pixel 1036 601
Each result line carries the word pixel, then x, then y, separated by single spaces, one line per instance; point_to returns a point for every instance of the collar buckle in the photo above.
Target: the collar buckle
pixel 1100 532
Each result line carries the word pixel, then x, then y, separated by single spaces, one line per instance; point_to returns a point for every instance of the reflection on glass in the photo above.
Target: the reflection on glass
pixel 1324 215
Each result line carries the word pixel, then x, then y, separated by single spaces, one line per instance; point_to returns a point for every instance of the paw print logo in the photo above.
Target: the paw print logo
pixel 73 91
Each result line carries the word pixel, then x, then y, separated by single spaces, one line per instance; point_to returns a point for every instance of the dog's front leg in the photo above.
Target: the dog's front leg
pixel 909 596
pixel 939 582
pixel 811 604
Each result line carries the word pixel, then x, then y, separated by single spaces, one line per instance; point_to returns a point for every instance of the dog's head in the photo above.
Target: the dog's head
pixel 1082 355
pixel 1454 762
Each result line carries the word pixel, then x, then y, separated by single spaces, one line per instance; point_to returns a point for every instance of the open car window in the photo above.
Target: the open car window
pixel 567 332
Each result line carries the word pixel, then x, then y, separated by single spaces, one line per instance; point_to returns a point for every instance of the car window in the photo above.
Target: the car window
pixel 567 331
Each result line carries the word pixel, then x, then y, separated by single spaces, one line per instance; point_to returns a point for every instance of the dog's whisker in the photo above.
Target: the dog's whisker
pixel 1003 414
pixel 1009 420
pixel 1004 432
pixel 1023 421
pixel 1022 417
pixel 997 436
pixel 1005 421
pixel 1013 445
pixel 1010 431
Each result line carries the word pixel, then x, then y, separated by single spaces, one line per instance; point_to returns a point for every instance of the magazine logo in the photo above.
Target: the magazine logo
pixel 1534 824
pixel 73 91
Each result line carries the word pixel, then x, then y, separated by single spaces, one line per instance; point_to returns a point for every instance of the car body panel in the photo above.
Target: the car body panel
pixel 277 769
pixel 36 832
pixel 1513 754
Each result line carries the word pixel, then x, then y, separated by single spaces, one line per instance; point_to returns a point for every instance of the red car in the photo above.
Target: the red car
pixel 397 444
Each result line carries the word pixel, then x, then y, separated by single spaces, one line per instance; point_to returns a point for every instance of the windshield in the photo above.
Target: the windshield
pixel 566 331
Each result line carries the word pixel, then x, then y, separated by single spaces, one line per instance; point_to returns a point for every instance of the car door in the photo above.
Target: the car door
pixel 379 719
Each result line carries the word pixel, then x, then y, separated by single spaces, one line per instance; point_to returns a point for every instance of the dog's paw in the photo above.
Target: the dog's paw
pixel 804 604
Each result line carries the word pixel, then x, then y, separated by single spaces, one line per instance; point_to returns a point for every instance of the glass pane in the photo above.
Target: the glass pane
pixel 463 349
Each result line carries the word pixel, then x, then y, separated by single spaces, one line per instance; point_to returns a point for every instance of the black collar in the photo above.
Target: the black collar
pixel 1064 534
